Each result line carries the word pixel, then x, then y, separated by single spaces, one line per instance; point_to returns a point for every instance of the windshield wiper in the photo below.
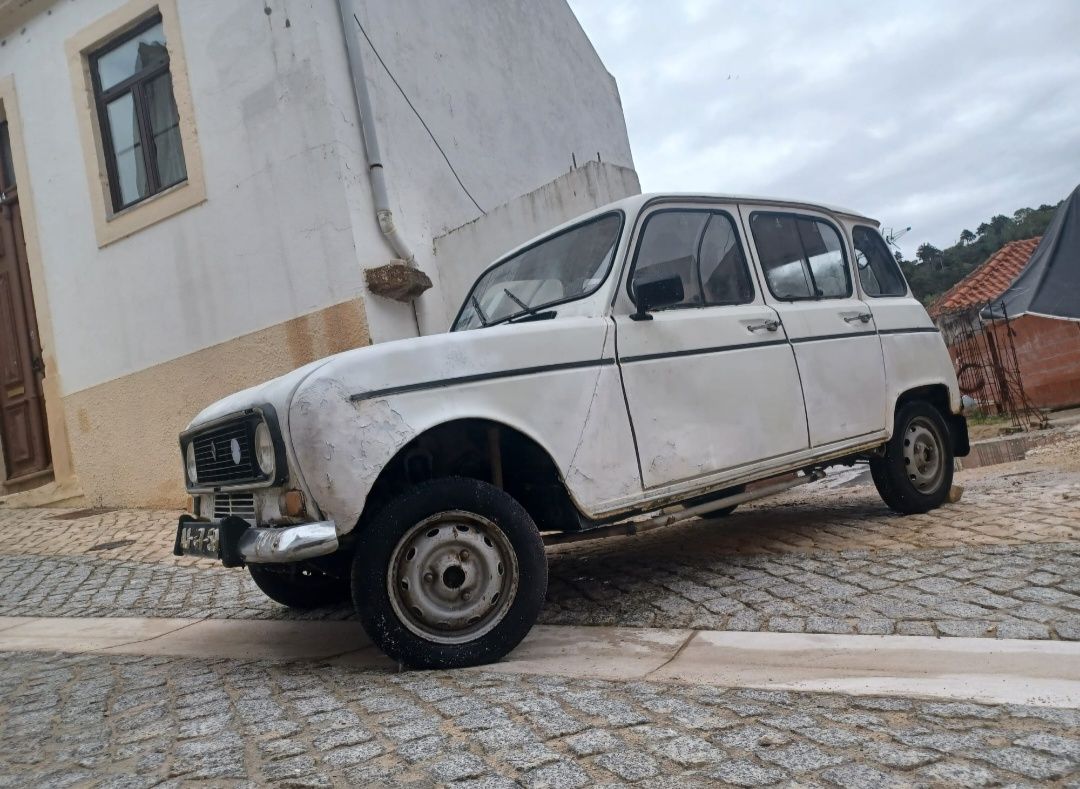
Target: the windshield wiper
pixel 519 302
pixel 479 312
pixel 534 316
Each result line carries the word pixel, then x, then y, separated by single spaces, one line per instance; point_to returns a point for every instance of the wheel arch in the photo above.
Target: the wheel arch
pixel 486 449
pixel 937 395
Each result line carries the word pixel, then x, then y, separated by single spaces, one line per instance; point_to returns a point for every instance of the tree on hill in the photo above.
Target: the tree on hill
pixel 929 255
pixel 934 270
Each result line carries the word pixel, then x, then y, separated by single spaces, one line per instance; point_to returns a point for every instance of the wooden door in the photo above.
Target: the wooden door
pixel 23 431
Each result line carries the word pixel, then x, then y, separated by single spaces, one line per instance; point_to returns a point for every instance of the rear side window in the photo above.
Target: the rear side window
pixel 702 249
pixel 802 257
pixel 878 273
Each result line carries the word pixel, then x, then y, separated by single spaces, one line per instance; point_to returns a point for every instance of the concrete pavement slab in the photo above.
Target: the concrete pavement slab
pixel 69 634
pixel 1039 673
pixel 1002 671
pixel 254 640
pixel 596 652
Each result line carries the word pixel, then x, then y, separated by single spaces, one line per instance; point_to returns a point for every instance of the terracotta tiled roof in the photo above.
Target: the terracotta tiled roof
pixel 989 280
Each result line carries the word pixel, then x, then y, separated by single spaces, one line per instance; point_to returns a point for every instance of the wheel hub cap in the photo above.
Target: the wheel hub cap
pixel 923 455
pixel 452 577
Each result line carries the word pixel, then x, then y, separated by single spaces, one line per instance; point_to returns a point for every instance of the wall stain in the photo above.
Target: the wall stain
pixel 299 341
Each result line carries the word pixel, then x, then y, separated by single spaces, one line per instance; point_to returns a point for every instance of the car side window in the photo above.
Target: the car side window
pixel 878 272
pixel 702 249
pixel 725 277
pixel 668 247
pixel 802 257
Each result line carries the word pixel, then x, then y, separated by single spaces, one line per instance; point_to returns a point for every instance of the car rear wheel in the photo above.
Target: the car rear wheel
pixel 451 573
pixel 916 473
pixel 297 586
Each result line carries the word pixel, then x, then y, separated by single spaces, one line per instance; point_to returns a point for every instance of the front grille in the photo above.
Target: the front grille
pixel 242 505
pixel 223 454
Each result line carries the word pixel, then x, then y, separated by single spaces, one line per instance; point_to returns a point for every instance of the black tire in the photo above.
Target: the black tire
pixel 299 587
pixel 723 513
pixel 905 482
pixel 449 549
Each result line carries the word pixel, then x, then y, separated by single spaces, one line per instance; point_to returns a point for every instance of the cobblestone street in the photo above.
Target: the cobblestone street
pixel 1004 563
pixel 1030 591
pixel 135 722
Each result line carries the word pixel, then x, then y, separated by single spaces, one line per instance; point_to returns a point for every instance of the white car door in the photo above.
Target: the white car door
pixel 803 260
pixel 710 382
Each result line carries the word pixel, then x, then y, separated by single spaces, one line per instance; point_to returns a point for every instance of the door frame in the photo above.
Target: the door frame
pixel 60 448
pixel 784 309
pixel 664 323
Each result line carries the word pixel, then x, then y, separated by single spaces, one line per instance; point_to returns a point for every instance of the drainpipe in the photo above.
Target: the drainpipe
pixel 380 193
pixel 401 279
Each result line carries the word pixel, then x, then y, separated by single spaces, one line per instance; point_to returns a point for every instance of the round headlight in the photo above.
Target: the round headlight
pixel 189 457
pixel 264 449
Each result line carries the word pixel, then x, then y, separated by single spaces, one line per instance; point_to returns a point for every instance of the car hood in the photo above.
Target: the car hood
pixel 277 392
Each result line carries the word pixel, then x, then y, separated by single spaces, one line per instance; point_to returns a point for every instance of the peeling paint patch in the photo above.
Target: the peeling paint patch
pixel 349 442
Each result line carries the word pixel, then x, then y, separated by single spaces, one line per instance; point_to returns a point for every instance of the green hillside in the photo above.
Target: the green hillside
pixel 934 270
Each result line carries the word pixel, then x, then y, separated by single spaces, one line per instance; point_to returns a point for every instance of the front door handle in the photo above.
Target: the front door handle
pixel 862 316
pixel 766 325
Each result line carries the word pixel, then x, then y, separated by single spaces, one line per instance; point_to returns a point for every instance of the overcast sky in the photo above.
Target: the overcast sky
pixel 934 114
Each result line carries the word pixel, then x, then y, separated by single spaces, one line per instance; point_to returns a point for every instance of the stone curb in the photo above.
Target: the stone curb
pixel 1045 673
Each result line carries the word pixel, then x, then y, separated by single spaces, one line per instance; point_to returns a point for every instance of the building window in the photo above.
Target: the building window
pixel 136 110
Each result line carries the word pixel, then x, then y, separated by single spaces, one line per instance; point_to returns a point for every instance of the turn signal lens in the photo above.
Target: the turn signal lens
pixel 264 449
pixel 292 504
pixel 189 457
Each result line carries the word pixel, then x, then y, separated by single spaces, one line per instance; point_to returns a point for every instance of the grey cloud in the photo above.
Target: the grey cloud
pixel 934 115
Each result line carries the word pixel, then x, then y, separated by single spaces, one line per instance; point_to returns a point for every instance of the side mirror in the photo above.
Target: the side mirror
pixel 652 294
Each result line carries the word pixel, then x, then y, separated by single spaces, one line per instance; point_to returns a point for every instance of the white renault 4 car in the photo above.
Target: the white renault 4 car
pixel 638 366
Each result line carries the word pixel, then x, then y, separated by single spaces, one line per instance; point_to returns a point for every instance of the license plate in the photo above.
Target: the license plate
pixel 211 539
pixel 200 539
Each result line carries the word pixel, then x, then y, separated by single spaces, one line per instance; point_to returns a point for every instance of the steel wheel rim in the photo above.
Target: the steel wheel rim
pixel 924 458
pixel 452 577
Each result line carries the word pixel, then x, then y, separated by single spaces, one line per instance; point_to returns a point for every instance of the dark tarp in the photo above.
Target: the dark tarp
pixel 1049 284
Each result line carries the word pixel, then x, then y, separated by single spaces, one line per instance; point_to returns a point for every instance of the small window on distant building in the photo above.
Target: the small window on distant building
pixel 136 111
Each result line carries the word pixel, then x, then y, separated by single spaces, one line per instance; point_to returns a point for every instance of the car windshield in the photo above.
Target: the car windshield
pixel 561 268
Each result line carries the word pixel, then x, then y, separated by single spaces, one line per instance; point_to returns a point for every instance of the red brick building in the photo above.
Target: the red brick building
pixel 1047 350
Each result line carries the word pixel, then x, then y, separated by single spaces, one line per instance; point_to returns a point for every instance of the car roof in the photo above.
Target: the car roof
pixel 635 203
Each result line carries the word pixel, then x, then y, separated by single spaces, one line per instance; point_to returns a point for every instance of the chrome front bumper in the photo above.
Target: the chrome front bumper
pixel 284 544
pixel 235 542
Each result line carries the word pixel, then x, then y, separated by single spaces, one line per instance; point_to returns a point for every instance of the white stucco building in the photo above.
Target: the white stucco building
pixel 188 208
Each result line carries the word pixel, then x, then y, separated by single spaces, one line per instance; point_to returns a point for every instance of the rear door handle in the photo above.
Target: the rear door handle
pixel 862 316
pixel 765 325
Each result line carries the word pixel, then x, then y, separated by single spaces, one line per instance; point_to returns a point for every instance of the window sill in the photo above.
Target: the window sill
pixel 150 211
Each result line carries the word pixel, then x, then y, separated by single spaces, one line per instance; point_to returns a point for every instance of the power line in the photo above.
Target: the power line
pixel 419 117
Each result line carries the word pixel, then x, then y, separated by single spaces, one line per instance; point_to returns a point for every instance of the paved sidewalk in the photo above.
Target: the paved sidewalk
pixel 1039 673
pixel 134 722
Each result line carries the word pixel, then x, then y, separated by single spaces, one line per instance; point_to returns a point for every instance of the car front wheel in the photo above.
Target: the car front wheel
pixel 449 574
pixel 916 472
pixel 297 586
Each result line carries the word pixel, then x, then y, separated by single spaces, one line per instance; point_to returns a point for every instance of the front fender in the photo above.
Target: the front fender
pixel 554 382
pixel 342 446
